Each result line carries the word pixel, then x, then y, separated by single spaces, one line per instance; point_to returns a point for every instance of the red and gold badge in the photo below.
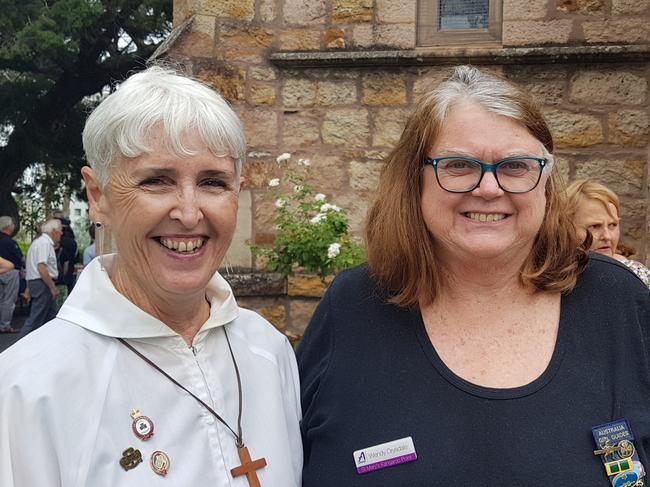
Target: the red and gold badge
pixel 142 426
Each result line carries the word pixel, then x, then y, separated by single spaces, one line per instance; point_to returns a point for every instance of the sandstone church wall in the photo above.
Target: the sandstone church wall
pixel 334 80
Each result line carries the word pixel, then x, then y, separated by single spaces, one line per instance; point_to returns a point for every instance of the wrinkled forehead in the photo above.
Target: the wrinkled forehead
pixel 590 208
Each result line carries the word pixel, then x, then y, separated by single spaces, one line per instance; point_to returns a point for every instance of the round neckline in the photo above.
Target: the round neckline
pixel 493 392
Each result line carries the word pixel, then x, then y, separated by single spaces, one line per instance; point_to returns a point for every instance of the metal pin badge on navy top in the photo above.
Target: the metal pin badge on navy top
pixel 385 455
pixel 615 446
pixel 142 426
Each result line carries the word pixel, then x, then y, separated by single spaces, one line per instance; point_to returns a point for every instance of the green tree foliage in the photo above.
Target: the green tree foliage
pixel 55 55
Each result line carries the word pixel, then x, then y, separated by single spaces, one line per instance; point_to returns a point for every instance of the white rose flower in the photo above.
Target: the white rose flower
pixel 333 250
pixel 318 218
pixel 274 182
pixel 320 197
pixel 326 207
pixel 279 203
pixel 283 157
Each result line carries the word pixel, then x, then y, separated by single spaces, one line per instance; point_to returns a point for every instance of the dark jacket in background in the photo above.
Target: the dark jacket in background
pixel 10 250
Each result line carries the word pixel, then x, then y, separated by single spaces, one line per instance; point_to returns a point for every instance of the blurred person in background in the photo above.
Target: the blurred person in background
pixel 10 280
pixel 596 210
pixel 66 256
pixel 91 251
pixel 5 266
pixel 41 273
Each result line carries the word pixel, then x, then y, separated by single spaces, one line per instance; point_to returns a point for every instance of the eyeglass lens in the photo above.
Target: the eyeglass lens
pixel 514 176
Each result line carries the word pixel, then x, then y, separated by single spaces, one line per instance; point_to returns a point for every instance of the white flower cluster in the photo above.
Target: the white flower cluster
pixel 333 250
pixel 274 182
pixel 279 203
pixel 326 207
pixel 318 218
pixel 304 162
pixel 319 197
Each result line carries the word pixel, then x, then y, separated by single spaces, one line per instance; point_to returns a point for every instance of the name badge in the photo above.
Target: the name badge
pixel 385 455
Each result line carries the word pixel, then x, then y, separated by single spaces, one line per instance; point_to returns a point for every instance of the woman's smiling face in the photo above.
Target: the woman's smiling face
pixel 486 222
pixel 172 217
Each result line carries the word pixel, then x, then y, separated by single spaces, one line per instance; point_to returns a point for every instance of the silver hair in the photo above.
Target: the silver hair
pixel 471 85
pixel 468 84
pixel 160 98
pixel 51 225
pixel 6 222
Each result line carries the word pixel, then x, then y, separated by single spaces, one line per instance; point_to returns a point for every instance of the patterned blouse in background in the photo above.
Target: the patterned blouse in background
pixel 639 269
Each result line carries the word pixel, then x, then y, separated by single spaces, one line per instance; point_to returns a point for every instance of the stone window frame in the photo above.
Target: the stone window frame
pixel 429 36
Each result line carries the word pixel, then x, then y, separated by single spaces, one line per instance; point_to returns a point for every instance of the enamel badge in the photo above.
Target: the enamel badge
pixel 160 463
pixel 142 426
pixel 615 446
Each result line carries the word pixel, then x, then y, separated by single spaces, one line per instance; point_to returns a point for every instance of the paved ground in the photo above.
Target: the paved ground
pixel 8 339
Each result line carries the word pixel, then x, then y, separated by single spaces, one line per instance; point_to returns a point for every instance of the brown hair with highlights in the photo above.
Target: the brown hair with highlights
pixel 401 251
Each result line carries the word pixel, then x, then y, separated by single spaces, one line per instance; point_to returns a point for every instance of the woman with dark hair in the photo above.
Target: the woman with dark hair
pixel 480 345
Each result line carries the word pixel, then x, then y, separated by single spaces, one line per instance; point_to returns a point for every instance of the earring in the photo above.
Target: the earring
pixel 99 243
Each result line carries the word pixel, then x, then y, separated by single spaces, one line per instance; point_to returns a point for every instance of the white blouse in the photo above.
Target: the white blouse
pixel 67 391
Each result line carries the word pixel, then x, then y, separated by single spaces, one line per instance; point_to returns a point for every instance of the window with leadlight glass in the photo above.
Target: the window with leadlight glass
pixel 459 22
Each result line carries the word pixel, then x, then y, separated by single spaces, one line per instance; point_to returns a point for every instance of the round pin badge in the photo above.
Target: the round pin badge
pixel 625 479
pixel 160 463
pixel 142 426
pixel 626 449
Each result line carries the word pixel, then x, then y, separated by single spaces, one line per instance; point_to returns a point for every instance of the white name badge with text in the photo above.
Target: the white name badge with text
pixel 385 455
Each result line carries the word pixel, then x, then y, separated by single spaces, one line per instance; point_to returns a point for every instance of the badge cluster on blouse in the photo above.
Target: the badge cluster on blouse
pixel 615 446
pixel 143 428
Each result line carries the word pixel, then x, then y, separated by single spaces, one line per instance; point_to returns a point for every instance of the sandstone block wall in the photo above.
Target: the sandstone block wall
pixel 346 119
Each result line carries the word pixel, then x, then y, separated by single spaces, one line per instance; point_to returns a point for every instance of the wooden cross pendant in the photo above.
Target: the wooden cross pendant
pixel 248 467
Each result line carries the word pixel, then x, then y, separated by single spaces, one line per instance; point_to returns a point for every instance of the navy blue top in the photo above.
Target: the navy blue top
pixel 9 250
pixel 370 375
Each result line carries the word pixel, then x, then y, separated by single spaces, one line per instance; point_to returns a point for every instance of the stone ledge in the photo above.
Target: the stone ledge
pixel 256 283
pixel 459 55
pixel 247 283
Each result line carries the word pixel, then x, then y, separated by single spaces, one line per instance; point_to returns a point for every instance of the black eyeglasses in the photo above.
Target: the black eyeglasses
pixel 458 174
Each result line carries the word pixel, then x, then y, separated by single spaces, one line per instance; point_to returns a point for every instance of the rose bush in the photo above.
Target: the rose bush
pixel 312 233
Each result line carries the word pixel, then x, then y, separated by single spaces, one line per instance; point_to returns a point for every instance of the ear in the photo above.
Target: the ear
pixel 96 196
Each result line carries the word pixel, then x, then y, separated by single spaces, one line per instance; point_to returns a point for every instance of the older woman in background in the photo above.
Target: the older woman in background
pixel 479 346
pixel 150 369
pixel 595 209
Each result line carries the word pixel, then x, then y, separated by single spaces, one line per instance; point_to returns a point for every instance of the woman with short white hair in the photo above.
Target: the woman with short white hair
pixel 150 369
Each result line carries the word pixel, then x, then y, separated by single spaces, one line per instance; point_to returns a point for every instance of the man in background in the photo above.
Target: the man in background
pixel 9 281
pixel 41 273
pixel 66 254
